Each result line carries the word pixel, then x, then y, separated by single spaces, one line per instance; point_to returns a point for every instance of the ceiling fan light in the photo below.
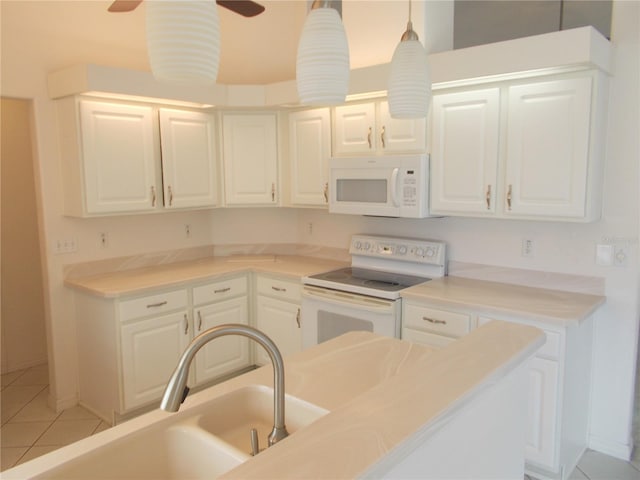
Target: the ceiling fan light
pixel 183 41
pixel 322 66
pixel 409 89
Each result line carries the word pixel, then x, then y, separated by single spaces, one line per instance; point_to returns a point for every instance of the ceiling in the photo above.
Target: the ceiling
pixel 254 50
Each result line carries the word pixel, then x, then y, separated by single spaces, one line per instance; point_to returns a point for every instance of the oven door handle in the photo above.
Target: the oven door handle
pixel 348 299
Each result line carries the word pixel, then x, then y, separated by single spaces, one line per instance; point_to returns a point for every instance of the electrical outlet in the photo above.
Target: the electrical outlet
pixel 103 239
pixel 187 230
pixel 527 247
pixel 310 228
pixel 620 256
pixel 604 255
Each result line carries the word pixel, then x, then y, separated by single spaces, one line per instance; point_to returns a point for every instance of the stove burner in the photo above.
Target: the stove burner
pixel 379 283
pixel 338 275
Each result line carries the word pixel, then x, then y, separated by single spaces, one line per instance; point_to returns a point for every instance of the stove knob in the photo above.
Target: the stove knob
pixel 358 245
pixel 419 252
pixel 402 250
pixel 430 252
pixel 367 246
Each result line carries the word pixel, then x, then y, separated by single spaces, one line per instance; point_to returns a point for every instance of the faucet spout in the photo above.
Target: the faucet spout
pixel 176 389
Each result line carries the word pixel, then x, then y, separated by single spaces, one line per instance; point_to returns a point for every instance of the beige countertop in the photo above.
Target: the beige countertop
pixel 140 280
pixel 379 391
pixel 488 298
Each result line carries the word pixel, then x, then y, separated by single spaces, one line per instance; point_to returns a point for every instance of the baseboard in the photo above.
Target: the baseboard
pixel 60 404
pixel 613 449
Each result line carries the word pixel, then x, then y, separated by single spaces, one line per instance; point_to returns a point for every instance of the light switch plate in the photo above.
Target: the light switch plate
pixel 604 255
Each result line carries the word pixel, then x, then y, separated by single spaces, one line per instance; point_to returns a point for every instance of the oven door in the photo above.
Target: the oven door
pixel 329 313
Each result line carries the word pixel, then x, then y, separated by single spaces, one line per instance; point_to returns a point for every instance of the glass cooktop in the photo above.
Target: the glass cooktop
pixel 362 277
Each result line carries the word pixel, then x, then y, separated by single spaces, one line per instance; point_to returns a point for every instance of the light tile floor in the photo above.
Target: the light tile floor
pixel 30 429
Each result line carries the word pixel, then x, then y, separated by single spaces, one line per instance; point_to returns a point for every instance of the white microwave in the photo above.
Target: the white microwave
pixel 389 186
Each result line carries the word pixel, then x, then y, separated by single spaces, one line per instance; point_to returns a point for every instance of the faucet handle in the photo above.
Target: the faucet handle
pixel 255 443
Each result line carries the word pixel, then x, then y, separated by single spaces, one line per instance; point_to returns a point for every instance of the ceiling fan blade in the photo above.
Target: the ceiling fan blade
pixel 246 8
pixel 119 6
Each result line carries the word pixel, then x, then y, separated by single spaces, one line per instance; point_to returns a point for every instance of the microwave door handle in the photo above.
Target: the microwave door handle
pixel 394 187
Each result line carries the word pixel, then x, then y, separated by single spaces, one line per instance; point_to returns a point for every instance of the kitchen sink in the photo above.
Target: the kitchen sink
pixel 177 452
pixel 202 444
pixel 232 416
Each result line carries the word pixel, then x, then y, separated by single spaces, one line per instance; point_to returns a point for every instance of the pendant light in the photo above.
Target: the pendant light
pixel 183 41
pixel 322 66
pixel 409 89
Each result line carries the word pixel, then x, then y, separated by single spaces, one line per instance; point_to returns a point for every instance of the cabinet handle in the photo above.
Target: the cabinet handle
pixel 488 197
pixel 298 318
pixel 434 321
pixel 382 137
pixel 170 195
pixel 509 195
pixel 199 320
pixel 278 289
pixel 326 192
pixel 159 304
pixel 186 324
pixel 273 192
pixel 153 196
pixel 222 290
pixel 369 137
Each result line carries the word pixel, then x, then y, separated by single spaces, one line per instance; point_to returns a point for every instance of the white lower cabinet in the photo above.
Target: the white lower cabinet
pixel 559 379
pixel 128 347
pixel 278 315
pixel 151 348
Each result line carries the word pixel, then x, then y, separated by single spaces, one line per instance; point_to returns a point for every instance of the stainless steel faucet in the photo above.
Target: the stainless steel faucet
pixel 177 390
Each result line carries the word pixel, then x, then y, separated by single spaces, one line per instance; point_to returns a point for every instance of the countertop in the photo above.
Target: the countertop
pixel 141 280
pixel 380 392
pixel 485 297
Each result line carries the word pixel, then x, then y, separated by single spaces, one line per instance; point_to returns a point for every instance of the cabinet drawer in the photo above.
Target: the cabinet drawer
pixel 442 322
pixel 153 304
pixel 426 339
pixel 212 292
pixel 279 289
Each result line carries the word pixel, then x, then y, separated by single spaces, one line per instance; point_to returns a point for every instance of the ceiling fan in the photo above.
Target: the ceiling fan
pixel 246 8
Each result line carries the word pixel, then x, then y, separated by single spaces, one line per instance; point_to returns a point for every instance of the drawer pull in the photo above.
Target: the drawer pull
pixel 222 290
pixel 159 304
pixel 199 320
pixel 278 289
pixel 298 318
pixel 186 324
pixel 435 321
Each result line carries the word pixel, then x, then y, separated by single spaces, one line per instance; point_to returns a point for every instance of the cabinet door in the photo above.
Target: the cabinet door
pixel 400 135
pixel 119 157
pixel 150 352
pixel 250 159
pixel 353 129
pixel 541 432
pixel 309 153
pixel 222 355
pixel 548 148
pixel 188 159
pixel 464 158
pixel 281 322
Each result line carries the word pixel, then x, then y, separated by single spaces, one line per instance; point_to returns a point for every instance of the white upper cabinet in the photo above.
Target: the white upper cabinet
pixel 528 149
pixel 309 153
pixel 464 159
pixel 250 155
pixel 367 128
pixel 547 143
pixel 121 158
pixel 188 159
pixel 119 153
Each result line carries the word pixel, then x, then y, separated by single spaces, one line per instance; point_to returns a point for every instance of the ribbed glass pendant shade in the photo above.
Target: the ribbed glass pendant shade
pixel 322 68
pixel 409 89
pixel 183 41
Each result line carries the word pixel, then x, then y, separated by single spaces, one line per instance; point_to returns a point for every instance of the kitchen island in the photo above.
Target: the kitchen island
pixel 395 409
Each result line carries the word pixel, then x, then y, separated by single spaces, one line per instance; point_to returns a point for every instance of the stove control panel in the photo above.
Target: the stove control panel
pixel 403 249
